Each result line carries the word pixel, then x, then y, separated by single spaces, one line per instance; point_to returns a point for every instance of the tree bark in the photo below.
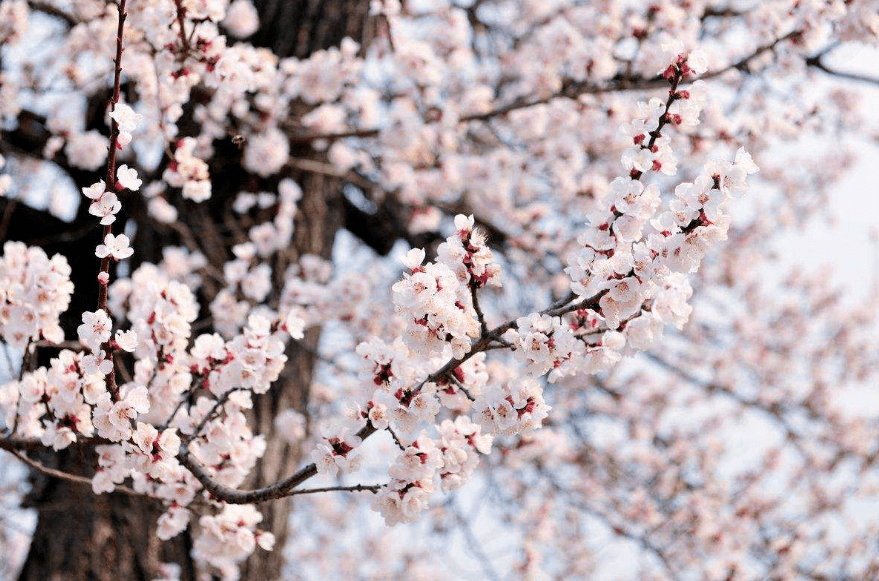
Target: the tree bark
pixel 319 220
pixel 81 536
pixel 298 28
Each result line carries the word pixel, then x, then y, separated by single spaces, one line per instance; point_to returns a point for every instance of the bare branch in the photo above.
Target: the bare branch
pixel 817 62
pixel 51 10
pixel 569 90
pixel 373 488
pixel 42 469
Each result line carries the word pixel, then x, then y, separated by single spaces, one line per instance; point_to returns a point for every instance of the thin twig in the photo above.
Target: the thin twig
pixel 463 389
pixel 181 13
pixel 73 477
pixel 396 439
pixel 818 63
pixel 479 314
pixel 373 488
pixel 7 216
pixel 104 276
pixel 47 8
pixel 475 546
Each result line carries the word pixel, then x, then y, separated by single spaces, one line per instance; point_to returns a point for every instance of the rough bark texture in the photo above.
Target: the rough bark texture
pixel 298 28
pixel 80 536
pixel 320 218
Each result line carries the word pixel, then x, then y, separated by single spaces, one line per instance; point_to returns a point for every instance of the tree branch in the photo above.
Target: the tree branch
pixel 817 62
pixel 51 10
pixel 569 90
pixel 42 469
pixel 373 488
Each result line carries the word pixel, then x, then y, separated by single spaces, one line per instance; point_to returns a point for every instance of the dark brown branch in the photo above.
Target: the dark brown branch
pixel 479 314
pixel 111 184
pixel 51 10
pixel 714 12
pixel 817 62
pixel 72 477
pixel 309 137
pixel 114 143
pixel 281 489
pixel 396 439
pixel 13 444
pixel 181 13
pixel 373 488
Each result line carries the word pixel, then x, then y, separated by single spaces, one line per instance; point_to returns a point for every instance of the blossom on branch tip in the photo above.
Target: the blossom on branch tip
pixel 544 343
pixel 697 61
pixel 413 258
pixel 242 18
pixel 127 121
pixel 294 324
pixel 514 407
pixel 231 536
pixel 113 419
pixel 337 452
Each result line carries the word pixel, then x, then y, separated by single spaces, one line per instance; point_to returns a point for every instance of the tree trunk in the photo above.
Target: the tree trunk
pixel 298 28
pixel 319 219
pixel 81 536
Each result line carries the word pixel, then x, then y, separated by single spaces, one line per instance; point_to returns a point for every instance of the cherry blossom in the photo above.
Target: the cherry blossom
pixel 126 340
pixel 95 329
pixel 35 291
pixel 337 453
pixel 127 178
pixel 106 207
pixel 116 247
pixel 127 121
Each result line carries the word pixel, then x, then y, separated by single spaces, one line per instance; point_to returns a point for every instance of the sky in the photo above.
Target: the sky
pixel 844 250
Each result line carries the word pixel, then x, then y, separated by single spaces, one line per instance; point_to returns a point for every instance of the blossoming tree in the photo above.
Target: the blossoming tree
pixel 389 286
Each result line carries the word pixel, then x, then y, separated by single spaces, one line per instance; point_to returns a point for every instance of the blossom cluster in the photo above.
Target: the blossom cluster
pixel 226 446
pixel 514 407
pixel 448 461
pixel 230 536
pixel 188 172
pixel 437 305
pixel 337 451
pixel 401 397
pixel 53 404
pixel 436 297
pixel 627 279
pixel 252 360
pixel 35 291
